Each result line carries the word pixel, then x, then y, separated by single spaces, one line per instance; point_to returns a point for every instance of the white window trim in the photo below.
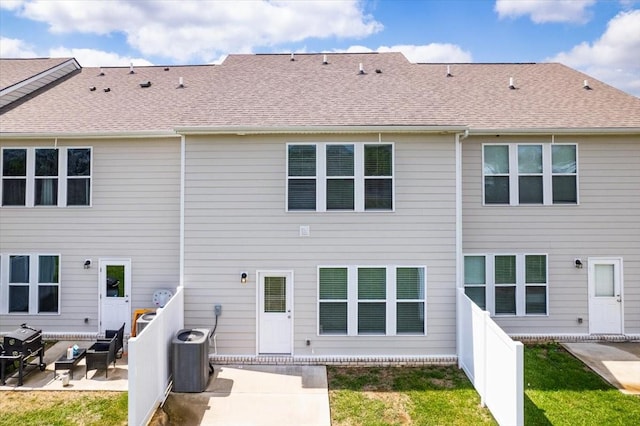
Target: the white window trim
pixel 547 174
pixel 33 283
pixel 359 177
pixel 62 177
pixel 520 285
pixel 352 301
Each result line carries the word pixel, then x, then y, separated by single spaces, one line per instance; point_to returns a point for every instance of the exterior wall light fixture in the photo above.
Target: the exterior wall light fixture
pixel 243 278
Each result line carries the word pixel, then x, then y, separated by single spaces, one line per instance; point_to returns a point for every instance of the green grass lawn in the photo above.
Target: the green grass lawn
pixel 559 390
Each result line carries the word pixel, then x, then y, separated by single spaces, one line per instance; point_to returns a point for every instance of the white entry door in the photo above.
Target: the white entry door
pixel 275 316
pixel 605 295
pixel 115 289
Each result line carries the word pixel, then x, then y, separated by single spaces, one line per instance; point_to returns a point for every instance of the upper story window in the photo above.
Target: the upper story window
pixel 46 177
pixel 519 174
pixel 342 177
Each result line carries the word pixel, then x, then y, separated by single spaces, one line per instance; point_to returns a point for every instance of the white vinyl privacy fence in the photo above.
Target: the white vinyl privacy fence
pixel 492 361
pixel 149 362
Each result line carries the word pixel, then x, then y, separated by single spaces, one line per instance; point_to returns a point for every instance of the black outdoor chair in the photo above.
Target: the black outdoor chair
pixel 100 355
pixel 119 335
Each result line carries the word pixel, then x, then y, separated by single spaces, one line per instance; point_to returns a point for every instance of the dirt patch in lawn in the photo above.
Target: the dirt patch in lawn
pixel 396 407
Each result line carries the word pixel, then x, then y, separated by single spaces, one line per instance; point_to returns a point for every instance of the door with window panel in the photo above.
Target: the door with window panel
pixel 275 317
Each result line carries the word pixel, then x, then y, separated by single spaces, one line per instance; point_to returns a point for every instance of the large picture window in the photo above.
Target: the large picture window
pixel 339 177
pixel 33 283
pixel 35 177
pixel 507 284
pixel 380 300
pixel 529 174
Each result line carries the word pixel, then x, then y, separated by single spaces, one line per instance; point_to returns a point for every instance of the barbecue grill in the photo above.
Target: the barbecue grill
pixel 22 345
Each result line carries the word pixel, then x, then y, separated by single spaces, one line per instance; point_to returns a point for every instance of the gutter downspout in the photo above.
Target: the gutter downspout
pixel 182 185
pixel 459 258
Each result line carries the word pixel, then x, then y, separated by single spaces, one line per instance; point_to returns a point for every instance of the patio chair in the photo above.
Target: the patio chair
pixel 119 335
pixel 100 355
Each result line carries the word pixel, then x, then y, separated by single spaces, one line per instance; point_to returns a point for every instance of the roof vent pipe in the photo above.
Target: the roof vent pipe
pixel 511 86
pixel 180 83
pixel 324 60
pixel 585 85
pixel 449 71
pixel 292 58
pixel 361 67
pixel 101 72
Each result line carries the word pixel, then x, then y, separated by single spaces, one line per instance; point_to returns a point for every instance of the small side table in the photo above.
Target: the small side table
pixel 64 363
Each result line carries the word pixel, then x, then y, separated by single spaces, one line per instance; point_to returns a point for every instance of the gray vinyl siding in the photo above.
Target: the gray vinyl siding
pixel 135 214
pixel 236 220
pixel 605 223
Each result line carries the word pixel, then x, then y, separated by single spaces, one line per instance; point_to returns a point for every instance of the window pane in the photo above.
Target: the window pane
pixel 474 270
pixel 18 298
pixel 410 318
pixel 302 194
pixel 115 281
pixel 340 194
pixel 48 269
pixel 506 300
pixel 564 190
pixel 275 294
pixel 496 190
pixel 378 194
pixel 563 158
pixel 14 192
pixel 78 192
pixel 18 269
pixel 529 158
pixel 410 283
pixel 333 318
pixel 535 269
pixel 372 283
pixel 302 160
pixel 505 269
pixel 48 298
pixel 14 162
pixel 496 159
pixel 46 192
pixel 333 283
pixel 78 162
pixel 378 160
pixel 605 280
pixel 46 162
pixel 477 295
pixel 536 302
pixel 530 188
pixel 339 160
pixel 372 318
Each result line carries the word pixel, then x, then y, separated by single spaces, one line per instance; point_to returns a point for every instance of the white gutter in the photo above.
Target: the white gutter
pixel 459 256
pixel 92 135
pixel 558 131
pixel 268 130
pixel 183 162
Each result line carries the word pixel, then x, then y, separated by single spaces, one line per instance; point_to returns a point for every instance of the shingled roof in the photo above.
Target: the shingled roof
pixel 275 92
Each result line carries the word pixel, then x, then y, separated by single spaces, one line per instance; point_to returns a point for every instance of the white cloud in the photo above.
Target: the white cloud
pixel 198 30
pixel 433 52
pixel 96 58
pixel 614 57
pixel 541 11
pixel 11 4
pixel 15 48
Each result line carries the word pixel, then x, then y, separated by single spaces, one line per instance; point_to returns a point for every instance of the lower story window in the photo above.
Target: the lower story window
pixel 33 283
pixel 371 300
pixel 508 284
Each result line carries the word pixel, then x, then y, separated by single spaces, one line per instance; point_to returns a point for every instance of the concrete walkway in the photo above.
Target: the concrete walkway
pixel 617 363
pixel 256 395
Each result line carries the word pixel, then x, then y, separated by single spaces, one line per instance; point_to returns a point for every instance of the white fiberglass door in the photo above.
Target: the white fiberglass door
pixel 275 319
pixel 115 289
pixel 605 296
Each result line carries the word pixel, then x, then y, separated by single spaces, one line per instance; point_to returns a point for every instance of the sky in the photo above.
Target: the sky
pixel 598 37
